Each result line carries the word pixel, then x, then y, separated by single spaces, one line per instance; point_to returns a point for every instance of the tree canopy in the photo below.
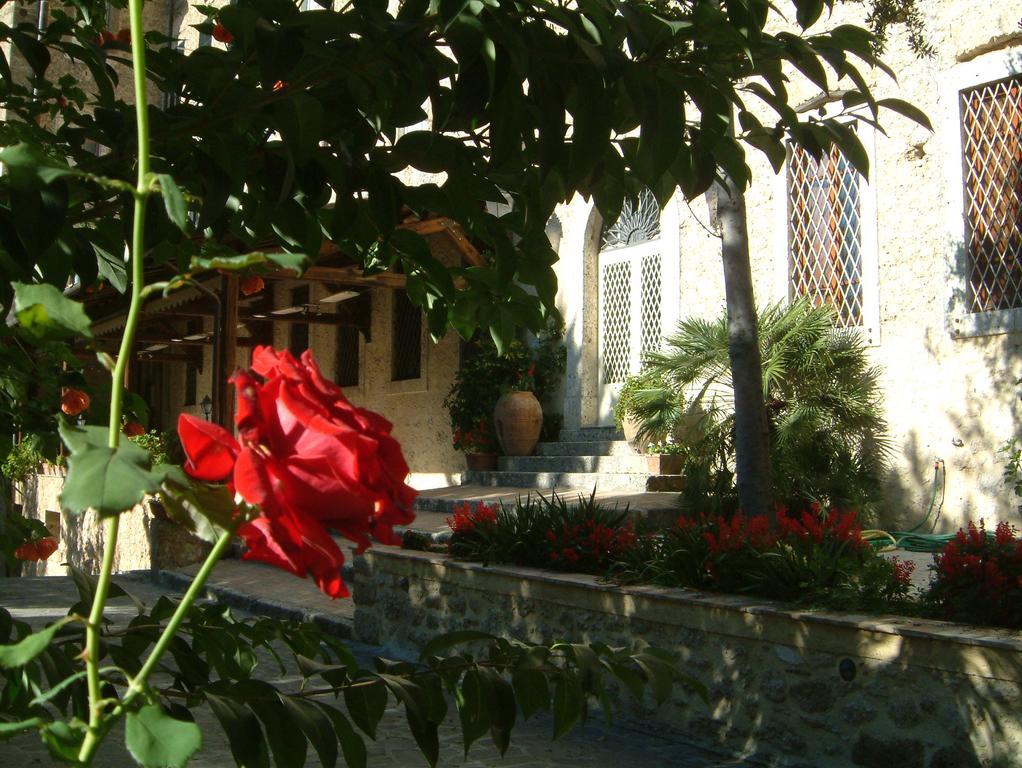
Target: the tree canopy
pixel 299 131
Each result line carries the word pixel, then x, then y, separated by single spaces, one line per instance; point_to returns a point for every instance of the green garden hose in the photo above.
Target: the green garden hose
pixel 910 540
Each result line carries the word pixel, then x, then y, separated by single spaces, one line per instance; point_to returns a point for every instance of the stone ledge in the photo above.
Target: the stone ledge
pixel 987 652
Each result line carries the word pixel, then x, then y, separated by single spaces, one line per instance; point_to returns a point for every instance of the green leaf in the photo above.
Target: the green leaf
pixel 109 480
pixel 449 640
pixel 352 746
pixel 417 708
pixel 287 742
pixel 173 201
pixel 658 673
pixel 568 704
pixel 45 312
pixel 205 510
pixel 473 711
pixel 366 702
pixel 21 653
pixel 503 712
pixel 243 733
pixel 224 258
pixel 531 690
pixel 905 109
pixel 157 740
pixel 24 160
pixel 316 726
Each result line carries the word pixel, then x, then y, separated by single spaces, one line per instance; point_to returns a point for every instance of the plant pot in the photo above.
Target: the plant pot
pixel 630 427
pixel 481 462
pixel 665 463
pixel 518 419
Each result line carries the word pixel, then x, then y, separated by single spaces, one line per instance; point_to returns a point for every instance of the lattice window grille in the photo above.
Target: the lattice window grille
pixel 616 289
pixel 992 167
pixel 825 233
pixel 406 349
pixel 651 321
pixel 639 222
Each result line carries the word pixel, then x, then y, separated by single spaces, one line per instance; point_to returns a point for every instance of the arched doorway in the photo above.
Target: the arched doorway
pixel 637 288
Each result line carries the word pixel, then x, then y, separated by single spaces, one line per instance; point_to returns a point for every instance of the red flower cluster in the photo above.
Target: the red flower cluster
pixel 722 535
pixel 590 545
pixel 903 570
pixel 40 549
pixel 106 37
pixel 467 518
pixel 310 461
pixel 836 527
pixel 979 575
pixel 478 439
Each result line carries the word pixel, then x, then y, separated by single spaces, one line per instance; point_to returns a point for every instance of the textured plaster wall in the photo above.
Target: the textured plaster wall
pixel 914 694
pixel 948 398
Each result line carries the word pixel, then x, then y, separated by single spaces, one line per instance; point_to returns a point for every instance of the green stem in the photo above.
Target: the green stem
pixel 141 197
pixel 138 685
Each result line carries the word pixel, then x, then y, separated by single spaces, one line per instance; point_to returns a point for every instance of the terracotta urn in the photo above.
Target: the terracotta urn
pixel 518 419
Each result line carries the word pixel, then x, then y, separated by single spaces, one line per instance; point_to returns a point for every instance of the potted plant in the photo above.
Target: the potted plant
pixel 666 458
pixel 478 445
pixel 524 373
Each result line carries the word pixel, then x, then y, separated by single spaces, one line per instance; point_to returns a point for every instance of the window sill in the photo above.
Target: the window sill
pixel 968 326
pixel 406 386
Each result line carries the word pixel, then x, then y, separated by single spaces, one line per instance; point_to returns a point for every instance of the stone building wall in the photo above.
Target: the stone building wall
pixel 146 539
pixel 786 688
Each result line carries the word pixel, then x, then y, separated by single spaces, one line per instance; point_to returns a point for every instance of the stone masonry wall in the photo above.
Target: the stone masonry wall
pixel 146 540
pixel 797 689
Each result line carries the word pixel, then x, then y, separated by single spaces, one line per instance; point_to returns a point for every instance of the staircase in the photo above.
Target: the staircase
pixel 581 460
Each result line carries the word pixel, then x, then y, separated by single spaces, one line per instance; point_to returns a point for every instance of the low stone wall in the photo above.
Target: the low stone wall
pixel 147 540
pixel 787 688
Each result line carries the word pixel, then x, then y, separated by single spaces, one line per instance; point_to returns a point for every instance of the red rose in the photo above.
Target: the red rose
pixel 310 460
pixel 222 34
pixel 73 402
pixel 251 285
pixel 133 429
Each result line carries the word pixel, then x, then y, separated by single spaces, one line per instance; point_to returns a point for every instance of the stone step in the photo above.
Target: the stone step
pixel 507 495
pixel 590 448
pixel 589 434
pixel 575 463
pixel 546 480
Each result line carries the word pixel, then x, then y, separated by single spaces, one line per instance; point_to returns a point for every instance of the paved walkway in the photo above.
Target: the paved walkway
pixel 41 600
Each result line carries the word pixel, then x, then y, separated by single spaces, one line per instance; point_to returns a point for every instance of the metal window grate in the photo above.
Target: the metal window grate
pixel 825 233
pixel 651 325
pixel 992 167
pixel 616 330
pixel 346 363
pixel 639 222
pixel 406 349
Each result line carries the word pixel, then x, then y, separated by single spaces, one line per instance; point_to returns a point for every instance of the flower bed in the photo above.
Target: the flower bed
pixel 812 558
pixel 797 688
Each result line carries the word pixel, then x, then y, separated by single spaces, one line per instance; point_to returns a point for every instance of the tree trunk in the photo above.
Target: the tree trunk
pixel 752 435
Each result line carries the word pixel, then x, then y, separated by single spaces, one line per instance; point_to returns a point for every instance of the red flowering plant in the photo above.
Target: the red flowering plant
pixel 978 576
pixel 309 461
pixel 810 556
pixel 543 532
pixel 476 439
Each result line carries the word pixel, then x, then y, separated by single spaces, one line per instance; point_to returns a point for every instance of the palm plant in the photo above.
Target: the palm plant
pixel 828 433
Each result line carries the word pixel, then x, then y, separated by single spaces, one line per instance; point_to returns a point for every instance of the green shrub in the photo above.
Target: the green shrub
pixel 23 460
pixel 828 434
